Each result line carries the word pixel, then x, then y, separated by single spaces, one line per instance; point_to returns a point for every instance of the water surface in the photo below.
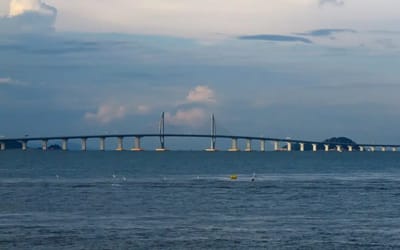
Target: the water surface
pixel 186 200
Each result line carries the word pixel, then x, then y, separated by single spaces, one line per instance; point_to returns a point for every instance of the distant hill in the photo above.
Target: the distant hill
pixel 54 147
pixel 340 140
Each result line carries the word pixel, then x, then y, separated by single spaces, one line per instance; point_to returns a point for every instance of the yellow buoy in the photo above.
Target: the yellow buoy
pixel 234 177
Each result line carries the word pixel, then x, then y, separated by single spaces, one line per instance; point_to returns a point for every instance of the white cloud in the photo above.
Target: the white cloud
pixel 143 109
pixel 201 94
pixel 10 81
pixel 106 113
pixel 19 7
pixel 194 117
pixel 7 80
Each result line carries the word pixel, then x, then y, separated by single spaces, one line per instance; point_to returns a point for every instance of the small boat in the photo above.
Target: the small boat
pixel 233 177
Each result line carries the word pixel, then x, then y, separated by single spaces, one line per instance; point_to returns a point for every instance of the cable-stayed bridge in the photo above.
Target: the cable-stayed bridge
pixel 213 136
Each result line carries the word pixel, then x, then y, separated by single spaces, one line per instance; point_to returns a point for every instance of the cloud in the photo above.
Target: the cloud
pixel 7 80
pixel 334 2
pixel 28 16
pixel 201 94
pixel 106 113
pixel 194 117
pixel 326 32
pixel 143 109
pixel 10 81
pixel 19 7
pixel 275 38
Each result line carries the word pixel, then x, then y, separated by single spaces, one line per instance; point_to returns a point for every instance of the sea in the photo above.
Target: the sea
pixel 188 200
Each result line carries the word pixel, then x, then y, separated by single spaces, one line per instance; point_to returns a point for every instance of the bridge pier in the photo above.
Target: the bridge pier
pixel 102 143
pixel 326 147
pixel 2 146
pixel 383 149
pixel 314 147
pixel 137 146
pixel 262 145
pixel 84 144
pixel 289 146
pixel 248 145
pixel 301 147
pixel 361 148
pixel 44 145
pixel 372 149
pixel 24 145
pixel 64 144
pixel 234 147
pixel 276 145
pixel 120 143
pixel 338 148
pixel 350 148
pixel 394 149
pixel 212 146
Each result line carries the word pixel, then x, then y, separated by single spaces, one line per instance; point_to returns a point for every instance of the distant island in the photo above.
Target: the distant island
pixel 13 145
pixel 54 147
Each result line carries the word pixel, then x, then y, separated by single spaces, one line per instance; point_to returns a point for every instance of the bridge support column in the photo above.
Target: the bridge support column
pixel 262 145
pixel 338 148
pixel 394 149
pixel 350 148
pixel 276 145
pixel 24 145
pixel 372 149
pixel 102 143
pixel 248 145
pixel 137 146
pixel 314 147
pixel 383 149
pixel 2 146
pixel 361 148
pixel 120 144
pixel 161 149
pixel 301 147
pixel 326 147
pixel 64 145
pixel 84 144
pixel 289 146
pixel 44 145
pixel 234 147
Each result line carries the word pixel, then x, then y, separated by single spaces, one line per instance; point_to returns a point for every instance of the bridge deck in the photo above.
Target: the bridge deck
pixel 192 136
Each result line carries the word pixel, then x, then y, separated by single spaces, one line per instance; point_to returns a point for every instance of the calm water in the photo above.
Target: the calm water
pixel 185 200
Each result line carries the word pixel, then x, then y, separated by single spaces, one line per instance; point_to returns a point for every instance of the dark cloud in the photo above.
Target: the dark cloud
pixel 386 32
pixel 46 44
pixel 276 38
pixel 334 2
pixel 326 32
pixel 29 22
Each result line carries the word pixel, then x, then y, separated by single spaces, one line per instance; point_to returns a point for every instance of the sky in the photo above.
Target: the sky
pixel 304 69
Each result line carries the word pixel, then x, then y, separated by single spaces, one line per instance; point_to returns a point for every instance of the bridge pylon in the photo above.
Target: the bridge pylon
pixel 213 134
pixel 162 133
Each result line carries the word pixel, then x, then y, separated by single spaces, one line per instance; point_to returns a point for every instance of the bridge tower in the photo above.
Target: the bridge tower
pixel 162 133
pixel 213 134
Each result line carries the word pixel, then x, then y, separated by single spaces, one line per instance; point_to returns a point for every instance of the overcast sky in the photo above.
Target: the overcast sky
pixel 304 69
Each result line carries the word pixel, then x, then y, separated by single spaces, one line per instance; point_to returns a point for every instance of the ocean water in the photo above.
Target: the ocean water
pixel 186 200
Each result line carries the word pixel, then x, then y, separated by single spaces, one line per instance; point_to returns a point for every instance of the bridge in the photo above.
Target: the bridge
pixel 213 136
